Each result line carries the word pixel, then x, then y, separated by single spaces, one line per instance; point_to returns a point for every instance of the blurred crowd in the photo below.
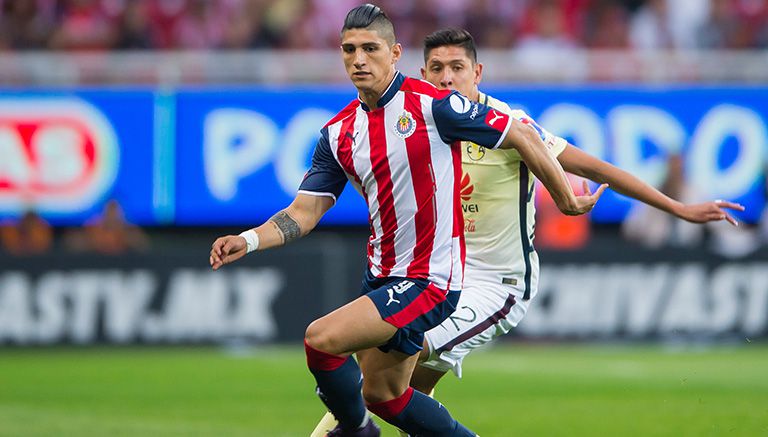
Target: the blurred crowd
pixel 107 233
pixel 313 24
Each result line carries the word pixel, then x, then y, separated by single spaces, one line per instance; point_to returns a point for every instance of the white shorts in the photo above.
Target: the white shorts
pixel 487 308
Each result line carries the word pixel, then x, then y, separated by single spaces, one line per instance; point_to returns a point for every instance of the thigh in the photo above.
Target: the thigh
pixel 386 375
pixel 485 311
pixel 353 327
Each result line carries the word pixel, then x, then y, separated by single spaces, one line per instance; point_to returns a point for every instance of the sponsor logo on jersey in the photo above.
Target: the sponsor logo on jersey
pixel 497 120
pixel 475 110
pixel 475 152
pixel 460 104
pixel 406 125
pixel 466 188
pixel 469 225
pixel 466 195
pixel 58 155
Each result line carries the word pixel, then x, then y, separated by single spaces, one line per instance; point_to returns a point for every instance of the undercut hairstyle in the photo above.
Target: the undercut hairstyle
pixel 370 17
pixel 451 37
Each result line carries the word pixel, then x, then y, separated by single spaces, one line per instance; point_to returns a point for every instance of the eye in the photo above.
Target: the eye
pixel 348 49
pixel 435 69
pixel 458 67
pixel 370 49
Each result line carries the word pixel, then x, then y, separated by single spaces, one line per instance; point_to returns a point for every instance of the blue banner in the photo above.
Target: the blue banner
pixel 64 154
pixel 241 154
pixel 236 156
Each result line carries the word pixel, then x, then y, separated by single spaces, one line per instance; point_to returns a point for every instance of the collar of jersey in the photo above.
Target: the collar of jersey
pixel 390 92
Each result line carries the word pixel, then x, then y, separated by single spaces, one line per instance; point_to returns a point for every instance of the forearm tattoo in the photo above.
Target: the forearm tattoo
pixel 288 227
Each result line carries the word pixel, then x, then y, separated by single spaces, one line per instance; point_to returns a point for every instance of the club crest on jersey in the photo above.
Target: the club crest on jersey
pixel 406 125
pixel 475 152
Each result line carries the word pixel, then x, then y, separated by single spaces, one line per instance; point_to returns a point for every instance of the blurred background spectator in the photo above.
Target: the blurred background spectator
pixel 305 24
pixel 29 235
pixel 108 234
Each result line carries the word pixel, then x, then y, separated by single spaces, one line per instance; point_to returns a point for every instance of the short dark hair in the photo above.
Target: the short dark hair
pixel 451 37
pixel 370 16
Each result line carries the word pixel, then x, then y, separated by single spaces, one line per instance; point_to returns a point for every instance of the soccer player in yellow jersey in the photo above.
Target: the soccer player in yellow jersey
pixel 497 192
pixel 502 268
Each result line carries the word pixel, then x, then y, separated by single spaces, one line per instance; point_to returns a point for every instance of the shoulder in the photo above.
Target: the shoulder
pixel 344 113
pixel 423 87
pixel 503 107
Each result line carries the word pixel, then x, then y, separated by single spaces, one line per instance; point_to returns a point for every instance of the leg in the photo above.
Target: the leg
pixel 425 379
pixel 329 341
pixel 388 395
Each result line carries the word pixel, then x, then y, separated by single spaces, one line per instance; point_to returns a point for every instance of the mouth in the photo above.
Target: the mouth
pixel 361 74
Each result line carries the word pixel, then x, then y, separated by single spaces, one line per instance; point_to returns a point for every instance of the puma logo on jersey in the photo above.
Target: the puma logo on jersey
pixel 493 116
pixel 353 138
pixel 398 289
pixel 496 116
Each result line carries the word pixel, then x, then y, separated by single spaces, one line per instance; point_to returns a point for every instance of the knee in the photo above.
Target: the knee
pixel 378 393
pixel 319 337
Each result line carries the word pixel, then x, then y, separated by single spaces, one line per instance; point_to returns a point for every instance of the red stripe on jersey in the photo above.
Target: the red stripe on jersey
pixel 351 108
pixel 424 187
pixel 423 87
pixel 382 174
pixel 345 142
pixel 424 303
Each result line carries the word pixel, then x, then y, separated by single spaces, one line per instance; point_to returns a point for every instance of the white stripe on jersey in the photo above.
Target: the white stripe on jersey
pixel 442 174
pixel 361 158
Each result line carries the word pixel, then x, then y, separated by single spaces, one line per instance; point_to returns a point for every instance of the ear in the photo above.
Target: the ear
pixel 397 52
pixel 423 73
pixel 478 73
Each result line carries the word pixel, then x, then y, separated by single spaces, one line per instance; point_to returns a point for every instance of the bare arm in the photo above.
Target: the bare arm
pixel 547 169
pixel 294 222
pixel 582 164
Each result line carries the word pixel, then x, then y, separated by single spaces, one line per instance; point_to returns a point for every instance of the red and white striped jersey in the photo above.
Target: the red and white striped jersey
pixel 404 157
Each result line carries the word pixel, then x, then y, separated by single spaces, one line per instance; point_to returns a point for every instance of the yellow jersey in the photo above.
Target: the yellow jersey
pixel 497 198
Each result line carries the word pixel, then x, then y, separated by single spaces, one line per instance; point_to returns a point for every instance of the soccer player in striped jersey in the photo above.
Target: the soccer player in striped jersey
pixel 399 146
pixel 497 194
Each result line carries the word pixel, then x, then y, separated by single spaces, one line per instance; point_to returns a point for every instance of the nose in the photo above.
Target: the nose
pixel 446 81
pixel 359 58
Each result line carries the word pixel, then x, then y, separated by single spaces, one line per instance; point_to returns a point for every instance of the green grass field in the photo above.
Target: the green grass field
pixel 506 391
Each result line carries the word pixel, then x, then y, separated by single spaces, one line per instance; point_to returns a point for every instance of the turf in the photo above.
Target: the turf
pixel 506 391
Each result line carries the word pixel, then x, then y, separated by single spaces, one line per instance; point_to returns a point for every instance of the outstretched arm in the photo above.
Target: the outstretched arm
pixel 575 161
pixel 295 221
pixel 548 170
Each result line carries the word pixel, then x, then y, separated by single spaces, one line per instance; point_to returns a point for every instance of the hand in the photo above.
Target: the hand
pixel 586 201
pixel 710 212
pixel 226 250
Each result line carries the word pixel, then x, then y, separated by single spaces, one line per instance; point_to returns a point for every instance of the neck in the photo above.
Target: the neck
pixel 372 95
pixel 474 95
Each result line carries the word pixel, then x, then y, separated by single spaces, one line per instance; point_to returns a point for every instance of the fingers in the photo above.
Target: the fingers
pixel 217 254
pixel 729 205
pixel 585 187
pixel 731 220
pixel 600 190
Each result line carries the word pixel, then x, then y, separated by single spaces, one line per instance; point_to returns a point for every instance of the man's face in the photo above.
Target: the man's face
pixel 449 67
pixel 369 59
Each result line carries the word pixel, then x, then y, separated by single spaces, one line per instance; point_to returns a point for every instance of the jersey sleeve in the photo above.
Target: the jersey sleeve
pixel 555 144
pixel 325 177
pixel 459 119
